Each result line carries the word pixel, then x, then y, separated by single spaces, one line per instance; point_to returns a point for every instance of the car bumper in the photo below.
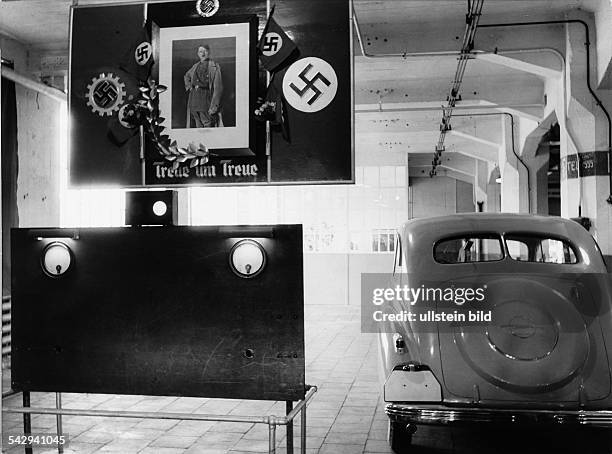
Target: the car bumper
pixel 441 415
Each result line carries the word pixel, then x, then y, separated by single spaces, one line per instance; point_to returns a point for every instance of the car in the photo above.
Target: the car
pixel 538 347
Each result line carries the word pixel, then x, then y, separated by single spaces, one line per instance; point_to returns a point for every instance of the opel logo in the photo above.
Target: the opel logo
pixel 520 326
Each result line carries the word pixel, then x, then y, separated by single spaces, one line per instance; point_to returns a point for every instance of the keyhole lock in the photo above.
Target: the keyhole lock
pixel 56 259
pixel 247 258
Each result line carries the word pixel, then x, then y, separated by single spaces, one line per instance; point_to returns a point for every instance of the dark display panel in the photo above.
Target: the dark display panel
pixel 160 311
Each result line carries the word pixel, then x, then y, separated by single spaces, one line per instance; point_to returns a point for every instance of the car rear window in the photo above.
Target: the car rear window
pixel 540 249
pixel 469 249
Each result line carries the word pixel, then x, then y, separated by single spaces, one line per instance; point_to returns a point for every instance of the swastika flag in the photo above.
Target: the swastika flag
pixel 138 58
pixel 274 46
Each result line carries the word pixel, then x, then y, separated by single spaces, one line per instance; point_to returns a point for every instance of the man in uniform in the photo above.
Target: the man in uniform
pixel 204 84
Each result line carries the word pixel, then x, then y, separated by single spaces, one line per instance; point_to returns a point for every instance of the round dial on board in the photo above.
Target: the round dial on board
pixel 247 258
pixel 56 259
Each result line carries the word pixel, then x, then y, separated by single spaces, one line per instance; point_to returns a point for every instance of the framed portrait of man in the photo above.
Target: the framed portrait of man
pixel 208 71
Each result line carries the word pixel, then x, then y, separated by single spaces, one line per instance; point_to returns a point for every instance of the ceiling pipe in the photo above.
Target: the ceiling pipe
pixel 380 109
pixel 26 82
pixel 587 45
pixel 467 46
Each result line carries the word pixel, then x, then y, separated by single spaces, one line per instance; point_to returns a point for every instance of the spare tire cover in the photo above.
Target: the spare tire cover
pixel 537 338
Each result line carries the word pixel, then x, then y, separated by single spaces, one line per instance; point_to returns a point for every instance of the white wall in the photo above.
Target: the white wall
pixel 439 196
pixel 335 279
pixel 433 196
pixel 38 119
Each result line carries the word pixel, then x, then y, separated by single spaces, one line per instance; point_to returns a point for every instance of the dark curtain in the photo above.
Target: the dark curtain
pixel 10 217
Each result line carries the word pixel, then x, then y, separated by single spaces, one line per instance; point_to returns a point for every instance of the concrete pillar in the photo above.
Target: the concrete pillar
pixel 536 159
pixel 493 204
pixel 586 135
pixel 514 193
pixel 481 180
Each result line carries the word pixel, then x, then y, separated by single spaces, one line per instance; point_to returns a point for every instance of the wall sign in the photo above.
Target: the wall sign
pixel 585 164
pixel 173 102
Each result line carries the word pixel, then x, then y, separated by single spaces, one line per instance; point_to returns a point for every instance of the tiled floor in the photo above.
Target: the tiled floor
pixel 345 417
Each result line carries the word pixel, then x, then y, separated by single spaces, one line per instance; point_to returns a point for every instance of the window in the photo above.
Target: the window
pixel 540 249
pixel 469 248
pixel 383 240
pixel 398 265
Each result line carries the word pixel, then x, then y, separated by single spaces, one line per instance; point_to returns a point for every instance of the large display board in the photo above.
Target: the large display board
pixel 202 129
pixel 159 311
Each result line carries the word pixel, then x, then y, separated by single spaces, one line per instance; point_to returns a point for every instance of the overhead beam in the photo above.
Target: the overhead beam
pixel 521 65
pixel 444 166
pixel 487 155
pixel 428 106
pixel 498 90
pixel 453 161
pixel 534 111
pixel 474 138
pixel 419 171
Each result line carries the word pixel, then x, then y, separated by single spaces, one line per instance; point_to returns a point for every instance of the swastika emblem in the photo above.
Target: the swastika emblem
pixel 207 8
pixel 143 53
pixel 273 42
pixel 105 94
pixel 310 84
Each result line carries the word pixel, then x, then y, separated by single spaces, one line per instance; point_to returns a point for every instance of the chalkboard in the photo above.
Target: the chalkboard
pixel 159 311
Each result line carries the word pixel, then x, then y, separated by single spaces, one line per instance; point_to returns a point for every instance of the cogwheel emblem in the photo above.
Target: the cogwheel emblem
pixel 105 94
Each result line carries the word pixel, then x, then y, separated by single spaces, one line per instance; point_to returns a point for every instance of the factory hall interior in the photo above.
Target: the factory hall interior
pixel 306 226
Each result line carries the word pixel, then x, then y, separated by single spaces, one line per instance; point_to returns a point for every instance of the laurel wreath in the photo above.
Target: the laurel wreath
pixel 146 113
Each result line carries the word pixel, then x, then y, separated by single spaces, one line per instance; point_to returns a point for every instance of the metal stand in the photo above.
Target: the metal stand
pixel 303 430
pixel 58 418
pixel 272 421
pixel 27 420
pixel 289 429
